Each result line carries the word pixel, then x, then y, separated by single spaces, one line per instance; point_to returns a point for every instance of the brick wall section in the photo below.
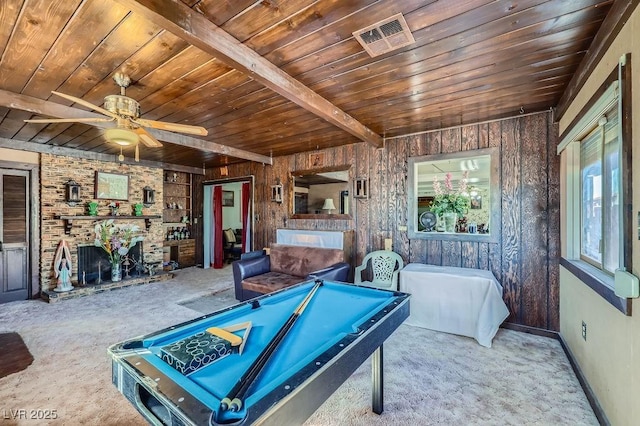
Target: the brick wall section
pixel 55 172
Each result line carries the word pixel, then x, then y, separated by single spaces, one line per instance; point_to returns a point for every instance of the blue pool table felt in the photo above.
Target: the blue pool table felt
pixel 334 312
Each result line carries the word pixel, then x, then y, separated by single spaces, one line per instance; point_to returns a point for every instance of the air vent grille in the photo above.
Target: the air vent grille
pixel 384 36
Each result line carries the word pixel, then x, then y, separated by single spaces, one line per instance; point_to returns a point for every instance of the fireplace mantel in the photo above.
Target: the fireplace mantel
pixel 68 220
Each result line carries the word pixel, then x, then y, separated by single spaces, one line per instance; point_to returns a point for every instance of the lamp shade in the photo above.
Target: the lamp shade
pixel 122 137
pixel 328 204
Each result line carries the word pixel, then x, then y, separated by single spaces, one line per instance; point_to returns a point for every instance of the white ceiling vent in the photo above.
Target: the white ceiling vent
pixel 384 36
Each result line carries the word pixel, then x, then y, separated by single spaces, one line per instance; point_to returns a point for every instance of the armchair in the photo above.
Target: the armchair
pixel 232 248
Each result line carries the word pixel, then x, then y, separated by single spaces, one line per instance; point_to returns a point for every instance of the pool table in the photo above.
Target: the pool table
pixel 340 328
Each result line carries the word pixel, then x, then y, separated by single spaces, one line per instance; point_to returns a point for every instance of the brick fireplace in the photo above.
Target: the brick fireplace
pixel 55 172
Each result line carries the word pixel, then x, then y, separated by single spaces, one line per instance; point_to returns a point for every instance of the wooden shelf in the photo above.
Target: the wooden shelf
pixel 168 243
pixel 178 193
pixel 178 183
pixel 68 220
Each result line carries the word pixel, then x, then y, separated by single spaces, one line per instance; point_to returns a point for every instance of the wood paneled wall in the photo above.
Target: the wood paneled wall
pixel 525 260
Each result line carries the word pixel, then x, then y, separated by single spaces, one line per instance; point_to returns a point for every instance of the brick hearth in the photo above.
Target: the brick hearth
pixel 52 296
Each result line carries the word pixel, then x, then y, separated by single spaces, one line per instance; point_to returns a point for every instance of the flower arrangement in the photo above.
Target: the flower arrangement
pixel 116 240
pixel 448 199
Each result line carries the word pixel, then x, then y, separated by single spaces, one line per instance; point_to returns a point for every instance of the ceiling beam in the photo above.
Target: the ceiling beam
pixel 89 155
pixel 52 109
pixel 193 27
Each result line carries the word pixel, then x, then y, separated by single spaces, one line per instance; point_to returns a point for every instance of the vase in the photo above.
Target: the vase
pixel 93 208
pixel 116 271
pixel 450 219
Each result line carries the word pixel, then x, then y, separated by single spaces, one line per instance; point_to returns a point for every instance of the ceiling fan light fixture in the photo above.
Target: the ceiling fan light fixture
pixel 122 137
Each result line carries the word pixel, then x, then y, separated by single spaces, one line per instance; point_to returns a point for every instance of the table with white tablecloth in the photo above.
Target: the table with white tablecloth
pixel 462 301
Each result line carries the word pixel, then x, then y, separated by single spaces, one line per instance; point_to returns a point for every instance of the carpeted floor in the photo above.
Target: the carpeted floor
pixel 431 378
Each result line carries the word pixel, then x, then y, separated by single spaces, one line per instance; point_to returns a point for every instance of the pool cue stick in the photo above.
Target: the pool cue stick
pixel 233 400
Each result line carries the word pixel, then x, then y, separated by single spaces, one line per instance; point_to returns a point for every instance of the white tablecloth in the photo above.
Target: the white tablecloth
pixel 461 301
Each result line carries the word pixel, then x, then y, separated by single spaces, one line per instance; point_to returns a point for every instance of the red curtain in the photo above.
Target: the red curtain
pixel 246 193
pixel 218 254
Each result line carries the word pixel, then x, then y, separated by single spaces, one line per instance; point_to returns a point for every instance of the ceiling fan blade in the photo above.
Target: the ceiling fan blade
pixel 68 120
pixel 85 103
pixel 147 138
pixel 172 127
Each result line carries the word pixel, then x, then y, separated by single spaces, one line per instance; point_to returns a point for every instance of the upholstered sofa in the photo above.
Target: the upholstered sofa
pixel 285 266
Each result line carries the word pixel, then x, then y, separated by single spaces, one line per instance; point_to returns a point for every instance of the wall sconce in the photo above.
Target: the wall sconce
pixel 224 171
pixel 276 192
pixel 148 196
pixel 361 188
pixel 72 192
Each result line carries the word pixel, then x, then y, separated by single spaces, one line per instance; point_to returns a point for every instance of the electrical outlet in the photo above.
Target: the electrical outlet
pixel 584 331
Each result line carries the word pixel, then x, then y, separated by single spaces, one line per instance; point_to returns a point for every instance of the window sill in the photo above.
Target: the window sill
pixel 598 281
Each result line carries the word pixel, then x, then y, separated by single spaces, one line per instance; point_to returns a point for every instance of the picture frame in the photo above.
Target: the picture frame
pixel 111 186
pixel 227 198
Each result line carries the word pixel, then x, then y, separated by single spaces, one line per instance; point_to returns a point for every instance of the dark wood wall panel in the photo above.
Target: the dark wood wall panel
pixel 511 219
pixel 525 260
pixel 534 221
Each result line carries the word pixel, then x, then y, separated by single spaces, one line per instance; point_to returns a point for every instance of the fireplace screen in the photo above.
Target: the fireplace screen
pixel 94 266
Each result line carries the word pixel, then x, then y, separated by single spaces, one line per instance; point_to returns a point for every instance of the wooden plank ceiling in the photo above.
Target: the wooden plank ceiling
pixel 275 77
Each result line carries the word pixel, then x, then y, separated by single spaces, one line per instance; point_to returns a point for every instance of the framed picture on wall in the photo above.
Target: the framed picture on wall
pixel 112 186
pixel 227 198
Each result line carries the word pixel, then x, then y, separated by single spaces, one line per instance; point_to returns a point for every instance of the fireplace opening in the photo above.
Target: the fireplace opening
pixel 94 266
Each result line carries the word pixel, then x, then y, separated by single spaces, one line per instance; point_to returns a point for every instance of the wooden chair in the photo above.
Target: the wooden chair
pixel 385 266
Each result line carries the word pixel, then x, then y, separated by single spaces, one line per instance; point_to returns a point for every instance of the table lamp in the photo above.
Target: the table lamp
pixel 328 205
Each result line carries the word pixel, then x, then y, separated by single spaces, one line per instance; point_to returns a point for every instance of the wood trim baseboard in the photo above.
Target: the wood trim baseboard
pixel 591 397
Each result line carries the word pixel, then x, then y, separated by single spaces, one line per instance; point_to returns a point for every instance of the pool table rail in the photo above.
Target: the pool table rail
pixel 167 398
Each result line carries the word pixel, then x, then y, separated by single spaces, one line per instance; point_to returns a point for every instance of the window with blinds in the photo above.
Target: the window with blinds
pixel 600 193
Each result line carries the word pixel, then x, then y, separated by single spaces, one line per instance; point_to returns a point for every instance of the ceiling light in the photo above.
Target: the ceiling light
pixel 122 137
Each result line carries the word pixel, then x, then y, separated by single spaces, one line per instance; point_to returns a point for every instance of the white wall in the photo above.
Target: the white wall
pixel 610 357
pixel 19 156
pixel 232 216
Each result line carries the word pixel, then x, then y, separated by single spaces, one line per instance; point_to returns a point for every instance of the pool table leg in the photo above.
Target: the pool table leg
pixel 377 381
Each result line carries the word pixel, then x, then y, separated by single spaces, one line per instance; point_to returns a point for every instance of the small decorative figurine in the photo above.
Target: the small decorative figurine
pixel 62 267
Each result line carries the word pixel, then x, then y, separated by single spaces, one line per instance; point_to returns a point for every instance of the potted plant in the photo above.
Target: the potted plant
pixel 449 203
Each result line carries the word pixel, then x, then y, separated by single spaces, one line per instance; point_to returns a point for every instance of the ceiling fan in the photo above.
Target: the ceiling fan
pixel 125 111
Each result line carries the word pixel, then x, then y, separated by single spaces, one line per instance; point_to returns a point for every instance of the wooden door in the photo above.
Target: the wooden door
pixel 14 235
